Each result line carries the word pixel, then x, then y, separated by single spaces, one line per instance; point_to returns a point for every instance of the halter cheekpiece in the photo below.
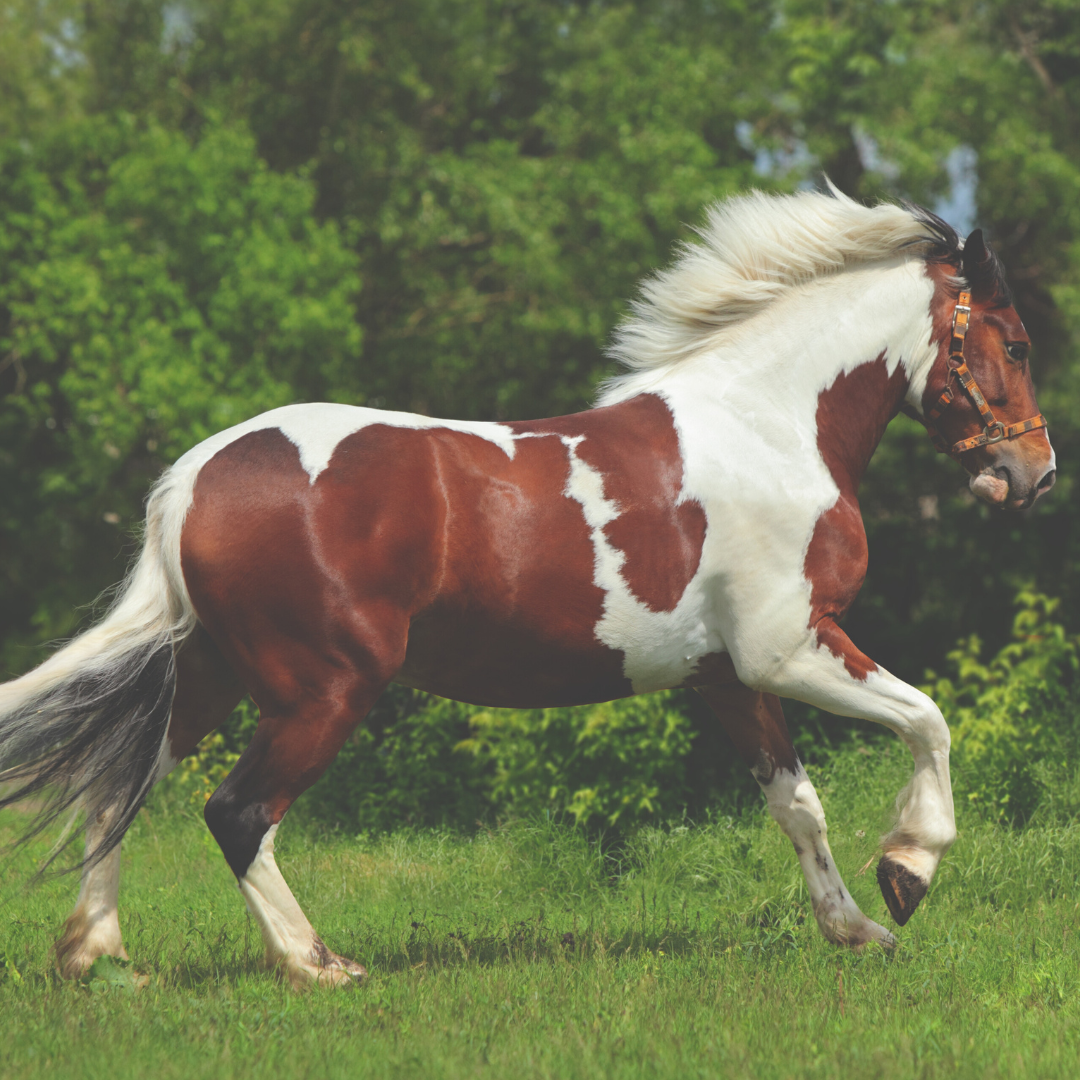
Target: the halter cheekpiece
pixel 994 431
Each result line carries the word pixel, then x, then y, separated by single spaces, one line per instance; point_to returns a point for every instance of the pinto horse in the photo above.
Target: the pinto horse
pixel 698 528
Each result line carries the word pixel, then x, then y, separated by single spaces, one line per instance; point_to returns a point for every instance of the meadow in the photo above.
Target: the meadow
pixel 532 949
pixel 442 206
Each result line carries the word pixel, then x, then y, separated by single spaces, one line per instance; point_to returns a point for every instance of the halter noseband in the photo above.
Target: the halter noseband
pixel 995 431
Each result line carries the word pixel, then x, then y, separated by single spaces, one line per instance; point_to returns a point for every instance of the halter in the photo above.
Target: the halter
pixel 995 431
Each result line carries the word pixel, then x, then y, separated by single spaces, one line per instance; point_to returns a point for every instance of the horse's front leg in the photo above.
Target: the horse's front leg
pixel 755 723
pixel 826 670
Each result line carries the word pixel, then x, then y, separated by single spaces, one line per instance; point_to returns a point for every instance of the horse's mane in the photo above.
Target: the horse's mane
pixel 753 249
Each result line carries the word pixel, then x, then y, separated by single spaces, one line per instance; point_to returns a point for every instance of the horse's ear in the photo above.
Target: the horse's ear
pixel 974 256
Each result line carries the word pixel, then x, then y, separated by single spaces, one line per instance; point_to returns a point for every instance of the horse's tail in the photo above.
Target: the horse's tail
pixel 86 728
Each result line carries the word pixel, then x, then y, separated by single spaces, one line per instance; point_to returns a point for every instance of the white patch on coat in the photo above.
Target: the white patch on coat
pixel 288 936
pixel 97 906
pixel 746 418
pixel 317 429
pixel 661 648
pixel 93 928
pixel 794 804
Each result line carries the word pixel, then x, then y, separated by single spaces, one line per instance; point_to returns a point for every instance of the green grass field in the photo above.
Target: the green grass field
pixel 527 951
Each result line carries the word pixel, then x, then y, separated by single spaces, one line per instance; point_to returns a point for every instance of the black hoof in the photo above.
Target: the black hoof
pixel 901 888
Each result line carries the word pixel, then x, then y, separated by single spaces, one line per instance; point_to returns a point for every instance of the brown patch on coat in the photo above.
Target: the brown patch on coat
pixel 852 415
pixel 272 591
pixel 713 669
pixel 431 557
pixel 755 723
pixel 207 691
pixel 512 619
pixel 635 448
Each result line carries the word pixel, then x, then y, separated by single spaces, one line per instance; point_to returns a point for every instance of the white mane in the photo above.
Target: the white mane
pixel 753 249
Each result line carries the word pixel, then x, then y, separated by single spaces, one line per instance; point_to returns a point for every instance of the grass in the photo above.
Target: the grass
pixel 527 951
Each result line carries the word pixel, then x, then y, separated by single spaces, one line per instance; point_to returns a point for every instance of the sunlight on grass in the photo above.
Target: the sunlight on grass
pixel 529 950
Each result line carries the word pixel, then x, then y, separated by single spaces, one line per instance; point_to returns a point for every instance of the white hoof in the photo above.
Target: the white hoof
pixel 320 968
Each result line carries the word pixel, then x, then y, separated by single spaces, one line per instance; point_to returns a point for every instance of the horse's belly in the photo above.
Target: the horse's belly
pixel 513 663
pixel 506 665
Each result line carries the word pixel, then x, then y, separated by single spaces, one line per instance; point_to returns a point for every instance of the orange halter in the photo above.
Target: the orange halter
pixel 995 431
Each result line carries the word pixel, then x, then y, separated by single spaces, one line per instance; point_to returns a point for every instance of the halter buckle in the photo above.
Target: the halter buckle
pixel 994 432
pixel 961 321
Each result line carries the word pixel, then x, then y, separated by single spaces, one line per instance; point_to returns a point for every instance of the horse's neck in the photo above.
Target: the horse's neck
pixel 828 365
pixel 852 415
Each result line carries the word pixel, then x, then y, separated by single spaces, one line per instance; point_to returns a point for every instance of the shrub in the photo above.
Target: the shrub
pixel 1014 717
pixel 610 764
pixel 422 760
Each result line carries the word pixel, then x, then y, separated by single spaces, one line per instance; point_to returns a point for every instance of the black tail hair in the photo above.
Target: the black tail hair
pixel 93 738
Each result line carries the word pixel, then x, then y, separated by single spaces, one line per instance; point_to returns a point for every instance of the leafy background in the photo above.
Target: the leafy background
pixel 210 209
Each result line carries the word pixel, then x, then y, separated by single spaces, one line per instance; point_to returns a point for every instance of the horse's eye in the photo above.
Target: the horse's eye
pixel 1018 350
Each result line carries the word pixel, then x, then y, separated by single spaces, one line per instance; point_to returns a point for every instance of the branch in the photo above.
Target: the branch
pixel 1027 42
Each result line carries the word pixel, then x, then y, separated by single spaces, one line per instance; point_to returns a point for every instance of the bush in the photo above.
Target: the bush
pixel 154 289
pixel 1014 718
pixel 611 764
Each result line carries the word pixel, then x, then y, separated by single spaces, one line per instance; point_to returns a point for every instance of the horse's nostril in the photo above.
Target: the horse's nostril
pixel 1047 482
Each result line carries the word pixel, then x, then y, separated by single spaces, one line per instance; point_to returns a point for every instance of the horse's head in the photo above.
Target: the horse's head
pixel 979 403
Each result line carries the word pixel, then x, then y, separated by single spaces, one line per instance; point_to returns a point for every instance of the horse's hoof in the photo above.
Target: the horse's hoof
pixel 853 930
pixel 321 968
pixel 901 888
pixel 872 934
pixel 83 941
pixel 341 972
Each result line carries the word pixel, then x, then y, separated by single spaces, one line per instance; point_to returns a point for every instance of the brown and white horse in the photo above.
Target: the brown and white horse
pixel 698 528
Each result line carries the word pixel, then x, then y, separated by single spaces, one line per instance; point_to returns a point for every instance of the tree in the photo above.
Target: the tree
pixel 152 291
pixel 500 173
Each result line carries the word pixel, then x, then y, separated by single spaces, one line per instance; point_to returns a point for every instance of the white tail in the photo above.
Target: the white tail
pixel 87 726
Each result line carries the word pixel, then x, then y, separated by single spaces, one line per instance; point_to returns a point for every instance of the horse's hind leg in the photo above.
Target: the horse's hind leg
pixel 207 690
pixel 292 746
pixel 93 928
pixel 755 723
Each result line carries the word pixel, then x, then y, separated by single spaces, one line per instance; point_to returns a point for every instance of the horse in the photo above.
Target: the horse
pixel 699 527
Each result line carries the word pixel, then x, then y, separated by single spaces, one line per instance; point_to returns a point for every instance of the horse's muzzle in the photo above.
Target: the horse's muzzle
pixel 1015 480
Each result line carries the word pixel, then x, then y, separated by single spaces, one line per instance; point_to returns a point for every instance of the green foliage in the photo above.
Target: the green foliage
pixel 499 175
pixel 1014 718
pixel 36 84
pixel 617 763
pixel 402 766
pixel 512 169
pixel 152 291
pixel 424 760
pixel 207 210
